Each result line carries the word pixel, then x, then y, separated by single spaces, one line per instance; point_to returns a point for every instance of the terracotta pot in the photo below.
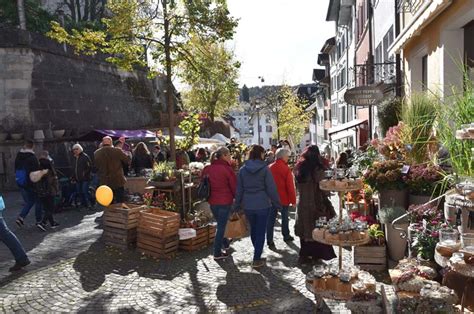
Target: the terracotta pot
pixel 390 198
pixel 418 199
pixel 395 244
pixel 58 133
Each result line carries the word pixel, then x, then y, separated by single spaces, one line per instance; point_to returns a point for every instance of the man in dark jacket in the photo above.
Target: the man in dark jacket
pixel 81 174
pixel 109 162
pixel 25 163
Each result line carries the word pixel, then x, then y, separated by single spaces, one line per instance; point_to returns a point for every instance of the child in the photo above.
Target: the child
pixel 47 188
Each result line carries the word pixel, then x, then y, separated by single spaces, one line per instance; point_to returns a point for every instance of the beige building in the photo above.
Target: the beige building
pixel 435 41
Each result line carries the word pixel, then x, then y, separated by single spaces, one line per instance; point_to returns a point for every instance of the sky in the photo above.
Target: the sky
pixel 279 39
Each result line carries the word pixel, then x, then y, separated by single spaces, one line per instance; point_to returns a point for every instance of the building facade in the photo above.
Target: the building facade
pixel 436 43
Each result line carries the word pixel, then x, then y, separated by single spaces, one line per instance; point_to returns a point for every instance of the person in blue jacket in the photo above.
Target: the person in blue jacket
pixel 12 242
pixel 256 194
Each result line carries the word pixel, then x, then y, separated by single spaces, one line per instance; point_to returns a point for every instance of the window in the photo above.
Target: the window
pixel 270 141
pixel 269 128
pixel 424 73
pixel 260 141
pixel 259 128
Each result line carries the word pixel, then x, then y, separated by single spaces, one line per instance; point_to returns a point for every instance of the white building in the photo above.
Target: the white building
pixel 264 127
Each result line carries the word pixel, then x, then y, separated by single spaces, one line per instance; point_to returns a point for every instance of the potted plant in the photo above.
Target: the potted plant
pixel 424 182
pixel 395 243
pixel 386 177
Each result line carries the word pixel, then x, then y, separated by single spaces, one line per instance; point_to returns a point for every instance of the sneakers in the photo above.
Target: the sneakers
pixel 41 226
pixel 289 239
pixel 258 263
pixel 228 245
pixel 20 222
pixel 272 246
pixel 221 256
pixel 19 265
pixel 54 225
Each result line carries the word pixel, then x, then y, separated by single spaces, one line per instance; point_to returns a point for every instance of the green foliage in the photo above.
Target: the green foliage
pixel 211 75
pixel 418 116
pixel 389 214
pixel 365 159
pixel 292 119
pixel 190 127
pixel 453 113
pixel 388 114
pixel 244 94
pixel 37 19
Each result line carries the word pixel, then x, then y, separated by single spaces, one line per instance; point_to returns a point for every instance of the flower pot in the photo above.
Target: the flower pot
pixel 395 244
pixel 58 133
pixel 38 135
pixel 418 199
pixel 3 136
pixel 17 136
pixel 390 198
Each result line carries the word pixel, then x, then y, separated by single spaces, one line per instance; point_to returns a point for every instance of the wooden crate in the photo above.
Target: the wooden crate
pixel 157 247
pixel 120 238
pixel 212 233
pixel 370 257
pixel 200 241
pixel 122 216
pixel 158 223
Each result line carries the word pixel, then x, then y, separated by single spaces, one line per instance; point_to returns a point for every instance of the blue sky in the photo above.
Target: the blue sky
pixel 278 39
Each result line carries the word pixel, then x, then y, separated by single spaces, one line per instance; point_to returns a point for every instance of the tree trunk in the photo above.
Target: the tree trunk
pixel 21 13
pixel 169 83
pixel 78 5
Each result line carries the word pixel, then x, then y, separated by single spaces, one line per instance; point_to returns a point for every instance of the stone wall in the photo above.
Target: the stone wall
pixel 43 84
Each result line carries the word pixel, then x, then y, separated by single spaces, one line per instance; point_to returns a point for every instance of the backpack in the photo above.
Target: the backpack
pixel 21 177
pixel 204 188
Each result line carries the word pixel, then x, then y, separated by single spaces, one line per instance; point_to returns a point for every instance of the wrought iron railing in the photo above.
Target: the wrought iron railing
pixel 366 74
pixel 409 6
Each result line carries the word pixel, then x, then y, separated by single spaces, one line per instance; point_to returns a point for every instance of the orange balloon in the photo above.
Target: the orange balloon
pixel 104 195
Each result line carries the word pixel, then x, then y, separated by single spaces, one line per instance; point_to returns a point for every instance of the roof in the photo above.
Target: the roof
pixel 333 10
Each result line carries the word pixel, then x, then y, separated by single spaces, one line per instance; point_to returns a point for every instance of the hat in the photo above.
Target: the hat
pixel 77 146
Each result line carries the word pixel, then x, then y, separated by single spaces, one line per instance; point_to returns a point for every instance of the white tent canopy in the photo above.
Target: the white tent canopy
pixel 220 137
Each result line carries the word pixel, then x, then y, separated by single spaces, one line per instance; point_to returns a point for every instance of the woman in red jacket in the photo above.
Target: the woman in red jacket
pixel 286 190
pixel 223 181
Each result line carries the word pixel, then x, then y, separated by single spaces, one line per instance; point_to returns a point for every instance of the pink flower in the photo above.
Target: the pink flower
pixel 434 234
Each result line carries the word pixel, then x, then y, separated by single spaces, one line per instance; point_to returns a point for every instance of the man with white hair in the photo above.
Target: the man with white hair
pixel 109 162
pixel 81 174
pixel 286 190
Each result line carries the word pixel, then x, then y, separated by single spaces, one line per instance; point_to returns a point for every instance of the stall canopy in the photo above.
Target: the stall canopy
pixel 345 126
pixel 220 137
pixel 98 134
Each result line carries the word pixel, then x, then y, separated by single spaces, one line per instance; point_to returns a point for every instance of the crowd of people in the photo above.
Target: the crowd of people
pixel 264 186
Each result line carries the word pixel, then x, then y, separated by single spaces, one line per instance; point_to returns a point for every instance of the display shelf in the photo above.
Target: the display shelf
pixel 324 236
pixel 341 186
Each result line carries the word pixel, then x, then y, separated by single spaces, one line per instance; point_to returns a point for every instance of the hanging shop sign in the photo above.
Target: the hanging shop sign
pixel 364 96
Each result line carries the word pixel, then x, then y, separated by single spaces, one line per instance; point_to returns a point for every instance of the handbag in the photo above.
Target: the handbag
pixel 204 189
pixel 236 226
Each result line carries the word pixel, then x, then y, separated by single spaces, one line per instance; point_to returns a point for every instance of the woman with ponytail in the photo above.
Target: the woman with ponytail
pixel 222 181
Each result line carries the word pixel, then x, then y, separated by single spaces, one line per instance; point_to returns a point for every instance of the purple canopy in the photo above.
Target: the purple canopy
pixel 127 133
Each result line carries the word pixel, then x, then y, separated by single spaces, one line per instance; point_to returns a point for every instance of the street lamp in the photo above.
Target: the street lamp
pixel 257 106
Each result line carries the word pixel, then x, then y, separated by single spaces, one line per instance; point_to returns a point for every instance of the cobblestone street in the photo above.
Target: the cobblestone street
pixel 72 270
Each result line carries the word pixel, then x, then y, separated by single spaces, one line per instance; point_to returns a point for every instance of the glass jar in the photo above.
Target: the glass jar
pixel 448 238
pixel 457 257
pixel 328 174
pixel 467 241
pixel 340 173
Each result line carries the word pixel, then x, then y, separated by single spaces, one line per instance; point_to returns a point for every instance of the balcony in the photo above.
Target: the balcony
pixel 366 74
pixel 409 6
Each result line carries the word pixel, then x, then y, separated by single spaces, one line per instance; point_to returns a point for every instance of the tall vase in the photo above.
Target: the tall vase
pixel 395 244
pixel 418 199
pixel 391 198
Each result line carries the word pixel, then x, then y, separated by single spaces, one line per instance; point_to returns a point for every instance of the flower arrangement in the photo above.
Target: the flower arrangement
pixel 154 201
pixel 356 215
pixel 385 174
pixel 392 145
pixel 425 179
pixel 376 235
pixel 163 171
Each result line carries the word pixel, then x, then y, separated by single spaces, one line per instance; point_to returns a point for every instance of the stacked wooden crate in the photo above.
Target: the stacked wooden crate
pixel 120 225
pixel 158 233
pixel 200 241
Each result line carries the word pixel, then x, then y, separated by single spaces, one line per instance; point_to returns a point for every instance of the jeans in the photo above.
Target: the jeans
pixel 82 189
pixel 284 223
pixel 47 203
pixel 119 195
pixel 258 219
pixel 29 197
pixel 11 241
pixel 221 214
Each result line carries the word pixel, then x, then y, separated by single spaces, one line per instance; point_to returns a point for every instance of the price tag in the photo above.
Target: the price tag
pixel 405 169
